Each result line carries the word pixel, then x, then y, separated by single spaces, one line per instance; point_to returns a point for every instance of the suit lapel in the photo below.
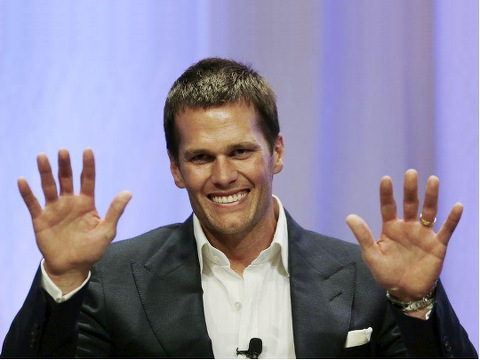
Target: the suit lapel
pixel 170 289
pixel 322 289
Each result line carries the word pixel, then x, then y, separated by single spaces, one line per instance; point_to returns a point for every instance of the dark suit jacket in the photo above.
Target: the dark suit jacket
pixel 145 300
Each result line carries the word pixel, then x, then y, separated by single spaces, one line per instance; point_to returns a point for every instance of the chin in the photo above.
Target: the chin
pixel 231 228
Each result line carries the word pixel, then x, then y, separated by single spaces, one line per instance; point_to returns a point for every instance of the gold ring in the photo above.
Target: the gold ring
pixel 427 223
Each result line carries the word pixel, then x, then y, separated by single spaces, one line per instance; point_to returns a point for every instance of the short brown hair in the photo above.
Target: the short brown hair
pixel 213 82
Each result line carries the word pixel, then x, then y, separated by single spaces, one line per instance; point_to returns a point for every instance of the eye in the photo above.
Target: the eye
pixel 241 153
pixel 200 158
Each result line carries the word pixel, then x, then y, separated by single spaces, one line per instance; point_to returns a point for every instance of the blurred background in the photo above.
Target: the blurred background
pixel 365 88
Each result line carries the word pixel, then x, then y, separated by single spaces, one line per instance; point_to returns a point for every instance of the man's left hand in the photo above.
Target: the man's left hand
pixel 408 257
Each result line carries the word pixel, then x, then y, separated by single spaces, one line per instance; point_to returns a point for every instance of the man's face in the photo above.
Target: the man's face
pixel 226 166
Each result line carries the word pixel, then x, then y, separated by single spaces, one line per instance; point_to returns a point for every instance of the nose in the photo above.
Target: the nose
pixel 224 172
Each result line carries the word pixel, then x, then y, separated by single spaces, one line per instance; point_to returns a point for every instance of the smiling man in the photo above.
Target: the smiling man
pixel 240 267
pixel 227 167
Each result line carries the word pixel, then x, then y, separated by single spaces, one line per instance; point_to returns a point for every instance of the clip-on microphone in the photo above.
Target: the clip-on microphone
pixel 254 349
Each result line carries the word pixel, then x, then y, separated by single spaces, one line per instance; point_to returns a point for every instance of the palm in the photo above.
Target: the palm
pixel 408 257
pixel 69 231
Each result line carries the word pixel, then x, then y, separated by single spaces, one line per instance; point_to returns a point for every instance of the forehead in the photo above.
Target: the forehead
pixel 217 126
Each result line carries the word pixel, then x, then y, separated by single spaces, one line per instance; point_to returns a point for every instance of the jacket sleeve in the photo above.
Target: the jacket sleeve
pixel 442 336
pixel 43 328
pixel 93 332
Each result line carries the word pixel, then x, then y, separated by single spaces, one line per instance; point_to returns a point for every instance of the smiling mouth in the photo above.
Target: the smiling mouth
pixel 229 199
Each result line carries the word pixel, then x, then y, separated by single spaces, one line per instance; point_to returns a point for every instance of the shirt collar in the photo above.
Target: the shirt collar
pixel 280 239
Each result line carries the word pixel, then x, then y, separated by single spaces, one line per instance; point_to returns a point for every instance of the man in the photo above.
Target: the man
pixel 240 267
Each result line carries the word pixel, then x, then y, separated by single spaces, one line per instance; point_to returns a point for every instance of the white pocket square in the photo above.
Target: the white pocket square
pixel 358 337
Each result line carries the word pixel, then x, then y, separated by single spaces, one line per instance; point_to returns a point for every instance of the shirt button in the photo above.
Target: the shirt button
pixel 215 259
pixel 238 305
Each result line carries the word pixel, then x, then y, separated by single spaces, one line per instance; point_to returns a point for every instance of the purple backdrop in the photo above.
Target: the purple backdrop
pixel 365 88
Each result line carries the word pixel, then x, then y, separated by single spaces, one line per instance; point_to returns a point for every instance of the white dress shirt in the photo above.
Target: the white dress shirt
pixel 237 308
pixel 256 305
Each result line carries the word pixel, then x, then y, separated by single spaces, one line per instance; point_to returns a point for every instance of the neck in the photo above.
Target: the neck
pixel 242 248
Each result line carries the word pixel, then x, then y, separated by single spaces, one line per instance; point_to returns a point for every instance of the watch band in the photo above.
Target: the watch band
pixel 409 306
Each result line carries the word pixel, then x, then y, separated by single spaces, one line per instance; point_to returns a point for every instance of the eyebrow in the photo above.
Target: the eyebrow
pixel 244 144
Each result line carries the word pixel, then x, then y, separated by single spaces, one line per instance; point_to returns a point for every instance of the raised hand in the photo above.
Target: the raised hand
pixel 69 231
pixel 408 257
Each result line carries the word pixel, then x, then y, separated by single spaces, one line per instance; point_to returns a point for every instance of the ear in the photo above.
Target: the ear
pixel 278 155
pixel 175 170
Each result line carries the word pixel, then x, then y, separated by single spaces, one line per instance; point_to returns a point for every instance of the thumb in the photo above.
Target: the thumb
pixel 361 231
pixel 116 208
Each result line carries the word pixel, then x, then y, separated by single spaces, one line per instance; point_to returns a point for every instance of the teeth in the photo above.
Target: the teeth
pixel 228 199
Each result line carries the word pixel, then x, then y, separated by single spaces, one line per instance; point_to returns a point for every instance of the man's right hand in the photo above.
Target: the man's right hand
pixel 69 232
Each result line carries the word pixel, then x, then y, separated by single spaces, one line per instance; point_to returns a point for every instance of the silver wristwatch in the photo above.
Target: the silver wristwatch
pixel 409 306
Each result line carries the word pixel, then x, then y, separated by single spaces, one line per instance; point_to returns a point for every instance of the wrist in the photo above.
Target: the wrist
pixel 68 281
pixel 424 303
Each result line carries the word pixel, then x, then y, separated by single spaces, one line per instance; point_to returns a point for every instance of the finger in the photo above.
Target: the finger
pixel 388 207
pixel 88 173
pixel 361 232
pixel 65 172
pixel 30 200
pixel 116 210
pixel 410 195
pixel 450 224
pixel 48 182
pixel 429 210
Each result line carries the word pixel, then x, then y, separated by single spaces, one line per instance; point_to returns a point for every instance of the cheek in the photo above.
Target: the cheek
pixel 259 172
pixel 195 179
